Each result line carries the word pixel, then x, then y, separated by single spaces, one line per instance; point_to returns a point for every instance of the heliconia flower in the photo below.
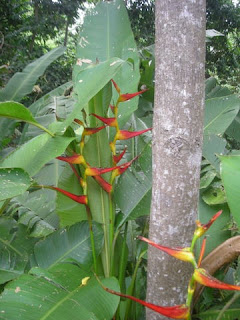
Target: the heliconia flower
pixel 103 183
pixel 124 134
pixel 203 277
pixel 111 122
pixel 122 168
pixel 90 171
pixel 80 199
pixel 202 251
pixel 79 122
pixel 183 254
pixel 128 96
pixel 75 159
pixel 175 312
pixel 117 158
pixel 89 131
pixel 202 228
pixel 112 108
pixel 116 86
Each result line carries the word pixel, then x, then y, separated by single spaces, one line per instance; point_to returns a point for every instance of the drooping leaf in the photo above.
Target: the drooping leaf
pixel 214 194
pixel 207 178
pixel 67 244
pixel 230 173
pixel 58 294
pixel 34 154
pixel 15 110
pixel 13 182
pixel 22 83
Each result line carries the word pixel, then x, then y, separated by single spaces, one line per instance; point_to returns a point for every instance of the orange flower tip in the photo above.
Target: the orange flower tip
pixel 103 183
pixel 183 254
pixel 89 131
pixel 75 159
pixel 90 171
pixel 79 122
pixel 128 96
pixel 111 122
pixel 202 228
pixel 203 277
pixel 118 157
pixel 112 108
pixel 116 86
pixel 175 312
pixel 80 199
pixel 124 134
pixel 203 246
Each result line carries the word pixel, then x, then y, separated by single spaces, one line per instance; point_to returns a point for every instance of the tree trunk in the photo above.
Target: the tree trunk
pixel 177 143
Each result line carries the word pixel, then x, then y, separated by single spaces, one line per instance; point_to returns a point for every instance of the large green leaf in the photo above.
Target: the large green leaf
pixel 15 110
pixel 58 294
pixel 22 83
pixel 13 182
pixel 219 114
pixel 212 145
pixel 213 90
pixel 36 211
pixel 230 173
pixel 233 130
pixel 106 33
pixel 15 247
pixel 133 191
pixel 67 244
pixel 33 155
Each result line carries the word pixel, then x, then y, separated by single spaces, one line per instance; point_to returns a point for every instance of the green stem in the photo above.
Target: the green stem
pixel 43 128
pixel 111 225
pixel 89 215
pixel 122 260
pixel 132 284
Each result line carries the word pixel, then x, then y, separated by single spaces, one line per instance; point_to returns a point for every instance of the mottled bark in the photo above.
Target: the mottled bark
pixel 177 143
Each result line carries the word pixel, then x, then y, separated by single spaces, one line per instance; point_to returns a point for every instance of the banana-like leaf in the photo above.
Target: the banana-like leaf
pixel 68 244
pixel 220 113
pixel 230 173
pixel 15 248
pixel 15 110
pixel 106 33
pixel 22 83
pixel 34 154
pixel 13 182
pixel 64 292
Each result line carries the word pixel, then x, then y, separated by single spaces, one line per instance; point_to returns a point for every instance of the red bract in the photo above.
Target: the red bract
pixel 128 96
pixel 202 228
pixel 202 252
pixel 75 159
pixel 203 277
pixel 103 183
pixel 111 122
pixel 118 157
pixel 97 171
pixel 183 254
pixel 124 134
pixel 176 312
pixel 116 86
pixel 89 131
pixel 79 122
pixel 80 199
pixel 122 168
